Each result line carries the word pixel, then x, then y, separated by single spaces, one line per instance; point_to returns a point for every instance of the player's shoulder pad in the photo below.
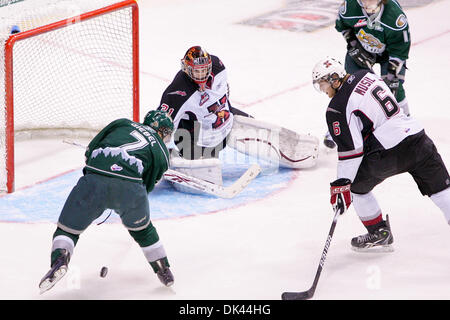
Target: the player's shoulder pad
pixel 179 90
pixel 393 16
pixel 217 65
pixel 350 9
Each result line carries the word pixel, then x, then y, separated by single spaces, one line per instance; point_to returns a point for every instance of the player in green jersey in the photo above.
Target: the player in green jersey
pixel 376 31
pixel 124 161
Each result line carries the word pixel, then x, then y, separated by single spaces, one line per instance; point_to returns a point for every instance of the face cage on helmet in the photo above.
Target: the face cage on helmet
pixel 198 70
pixel 199 73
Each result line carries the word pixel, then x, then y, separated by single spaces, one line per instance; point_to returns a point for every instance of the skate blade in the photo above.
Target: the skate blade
pixel 375 249
pixel 169 284
pixel 49 282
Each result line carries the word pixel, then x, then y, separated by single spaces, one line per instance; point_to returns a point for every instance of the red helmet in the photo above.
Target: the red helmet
pixel 197 65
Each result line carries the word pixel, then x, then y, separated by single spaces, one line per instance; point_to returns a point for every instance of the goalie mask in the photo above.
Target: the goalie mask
pixel 329 70
pixel 161 122
pixel 197 64
pixel 371 6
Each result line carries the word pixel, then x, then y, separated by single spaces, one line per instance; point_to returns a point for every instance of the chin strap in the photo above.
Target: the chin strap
pixel 372 17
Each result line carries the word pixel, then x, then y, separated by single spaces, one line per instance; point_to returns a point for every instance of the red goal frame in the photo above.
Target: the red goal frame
pixel 9 86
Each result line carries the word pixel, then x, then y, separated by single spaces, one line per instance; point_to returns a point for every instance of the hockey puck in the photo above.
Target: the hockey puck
pixel 103 272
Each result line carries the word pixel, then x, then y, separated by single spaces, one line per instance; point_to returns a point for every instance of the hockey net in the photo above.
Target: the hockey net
pixel 71 70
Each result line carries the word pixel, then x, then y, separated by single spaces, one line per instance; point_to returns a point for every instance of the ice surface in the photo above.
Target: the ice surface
pixel 267 246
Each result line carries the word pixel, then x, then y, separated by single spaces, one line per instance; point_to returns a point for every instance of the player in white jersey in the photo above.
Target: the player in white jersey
pixel 197 100
pixel 205 122
pixel 375 140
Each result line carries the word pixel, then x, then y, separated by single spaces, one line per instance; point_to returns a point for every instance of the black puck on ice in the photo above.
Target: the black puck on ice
pixel 103 272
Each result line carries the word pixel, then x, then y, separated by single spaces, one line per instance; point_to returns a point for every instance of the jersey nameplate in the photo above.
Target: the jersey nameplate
pixel 145 132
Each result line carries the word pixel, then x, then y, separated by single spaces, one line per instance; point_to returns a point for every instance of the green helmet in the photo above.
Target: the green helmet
pixel 160 121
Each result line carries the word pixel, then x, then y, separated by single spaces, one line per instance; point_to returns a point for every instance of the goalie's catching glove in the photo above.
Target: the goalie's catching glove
pixel 341 197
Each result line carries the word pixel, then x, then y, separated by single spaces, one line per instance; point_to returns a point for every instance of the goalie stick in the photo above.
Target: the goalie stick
pixel 203 185
pixel 304 295
pixel 212 188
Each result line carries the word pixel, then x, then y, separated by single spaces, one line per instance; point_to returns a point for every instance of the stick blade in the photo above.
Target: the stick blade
pixel 242 182
pixel 212 188
pixel 305 295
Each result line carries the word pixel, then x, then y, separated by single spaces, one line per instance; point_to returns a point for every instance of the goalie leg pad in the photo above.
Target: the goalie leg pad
pixel 205 169
pixel 298 151
pixel 273 143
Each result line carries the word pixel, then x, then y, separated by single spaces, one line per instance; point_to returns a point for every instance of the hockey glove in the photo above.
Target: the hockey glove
pixel 391 78
pixel 349 35
pixel 361 57
pixel 341 197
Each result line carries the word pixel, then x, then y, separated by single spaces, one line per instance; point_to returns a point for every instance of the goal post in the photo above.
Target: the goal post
pixel 69 75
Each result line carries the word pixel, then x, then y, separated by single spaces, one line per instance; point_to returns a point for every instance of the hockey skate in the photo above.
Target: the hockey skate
pixel 58 270
pixel 328 141
pixel 161 267
pixel 379 240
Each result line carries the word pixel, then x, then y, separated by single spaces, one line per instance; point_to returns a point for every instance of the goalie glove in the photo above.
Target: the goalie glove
pixel 341 197
pixel 391 78
pixel 356 51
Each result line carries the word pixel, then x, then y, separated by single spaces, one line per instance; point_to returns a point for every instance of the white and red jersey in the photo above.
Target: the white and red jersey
pixel 364 117
pixel 183 101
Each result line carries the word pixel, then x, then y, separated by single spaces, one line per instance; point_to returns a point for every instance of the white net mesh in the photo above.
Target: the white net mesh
pixel 78 77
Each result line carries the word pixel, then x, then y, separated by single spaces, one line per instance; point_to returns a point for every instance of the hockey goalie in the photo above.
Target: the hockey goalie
pixel 205 122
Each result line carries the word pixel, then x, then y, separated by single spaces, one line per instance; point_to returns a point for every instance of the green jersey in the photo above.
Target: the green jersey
pixel 387 34
pixel 128 150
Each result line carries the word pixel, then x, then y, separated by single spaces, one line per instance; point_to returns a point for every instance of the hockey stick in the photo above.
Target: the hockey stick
pixel 206 186
pixel 394 91
pixel 370 67
pixel 212 188
pixel 74 143
pixel 304 295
